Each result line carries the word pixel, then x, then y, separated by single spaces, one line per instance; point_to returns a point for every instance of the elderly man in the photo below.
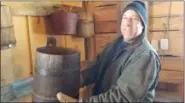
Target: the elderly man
pixel 127 70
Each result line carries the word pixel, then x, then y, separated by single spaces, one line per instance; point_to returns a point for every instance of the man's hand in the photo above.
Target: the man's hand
pixel 65 98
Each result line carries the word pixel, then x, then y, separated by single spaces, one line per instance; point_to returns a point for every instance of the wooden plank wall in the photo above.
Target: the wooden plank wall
pixel 157 23
pixel 172 67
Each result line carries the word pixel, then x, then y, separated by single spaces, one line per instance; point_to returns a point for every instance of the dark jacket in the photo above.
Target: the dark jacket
pixel 132 77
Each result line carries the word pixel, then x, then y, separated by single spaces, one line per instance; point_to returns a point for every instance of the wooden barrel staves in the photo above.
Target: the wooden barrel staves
pixel 57 70
pixel 7 30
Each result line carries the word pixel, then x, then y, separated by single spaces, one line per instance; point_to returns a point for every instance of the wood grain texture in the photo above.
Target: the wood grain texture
pixel 91 5
pixel 172 63
pixel 7 68
pixel 101 40
pixel 171 76
pixel 42 8
pixel 106 27
pixel 21 54
pixel 177 8
pixel 37 37
pixel 175 23
pixel 77 43
pixel 90 48
pixel 106 13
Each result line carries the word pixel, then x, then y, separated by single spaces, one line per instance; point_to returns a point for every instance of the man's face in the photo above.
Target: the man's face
pixel 130 25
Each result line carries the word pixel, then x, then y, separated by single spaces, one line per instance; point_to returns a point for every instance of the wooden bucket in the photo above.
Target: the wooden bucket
pixel 57 70
pixel 85 26
pixel 7 30
pixel 61 22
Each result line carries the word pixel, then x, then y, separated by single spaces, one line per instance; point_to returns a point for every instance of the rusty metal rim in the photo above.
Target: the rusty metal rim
pixel 75 52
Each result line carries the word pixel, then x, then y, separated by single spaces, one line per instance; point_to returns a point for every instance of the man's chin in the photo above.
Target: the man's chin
pixel 128 39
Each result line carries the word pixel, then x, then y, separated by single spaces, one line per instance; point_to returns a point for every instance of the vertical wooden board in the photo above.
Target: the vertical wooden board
pixel 77 43
pixel 37 37
pixel 176 42
pixel 177 8
pixel 90 48
pixel 21 54
pixel 37 25
pixel 7 68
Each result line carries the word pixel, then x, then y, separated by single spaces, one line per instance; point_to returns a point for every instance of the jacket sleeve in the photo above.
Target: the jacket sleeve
pixel 88 75
pixel 138 76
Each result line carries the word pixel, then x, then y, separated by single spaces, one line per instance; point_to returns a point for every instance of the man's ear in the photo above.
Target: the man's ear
pixel 139 28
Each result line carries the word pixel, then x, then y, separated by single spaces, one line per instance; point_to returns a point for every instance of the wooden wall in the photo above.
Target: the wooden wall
pixel 18 63
pixel 172 60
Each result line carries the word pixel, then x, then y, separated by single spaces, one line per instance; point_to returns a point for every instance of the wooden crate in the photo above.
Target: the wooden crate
pixel 176 42
pixel 158 9
pixel 106 27
pixel 175 23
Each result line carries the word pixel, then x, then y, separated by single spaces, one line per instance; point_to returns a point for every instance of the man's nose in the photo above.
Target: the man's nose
pixel 129 20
